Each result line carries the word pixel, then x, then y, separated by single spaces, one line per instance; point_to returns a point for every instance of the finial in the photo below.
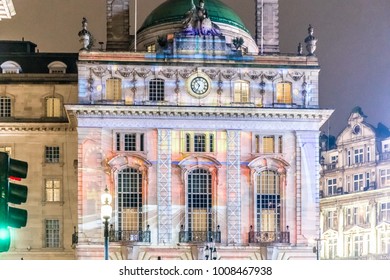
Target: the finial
pixel 311 41
pixel 85 36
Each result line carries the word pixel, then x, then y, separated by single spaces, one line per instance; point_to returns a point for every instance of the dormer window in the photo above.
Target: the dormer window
pixel 57 67
pixel 284 93
pixel 10 67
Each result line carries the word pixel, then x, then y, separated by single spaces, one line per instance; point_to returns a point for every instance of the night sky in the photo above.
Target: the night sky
pixel 353 42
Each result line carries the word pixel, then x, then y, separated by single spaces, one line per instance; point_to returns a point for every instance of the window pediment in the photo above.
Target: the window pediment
pixel 123 161
pixel 263 163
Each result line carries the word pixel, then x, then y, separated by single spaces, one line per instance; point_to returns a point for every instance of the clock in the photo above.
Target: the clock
pixel 198 85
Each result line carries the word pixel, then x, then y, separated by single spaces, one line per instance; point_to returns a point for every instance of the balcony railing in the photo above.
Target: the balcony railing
pixel 128 236
pixel 200 236
pixel 267 237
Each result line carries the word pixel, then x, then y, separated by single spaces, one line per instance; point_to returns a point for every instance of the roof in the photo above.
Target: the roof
pixel 174 11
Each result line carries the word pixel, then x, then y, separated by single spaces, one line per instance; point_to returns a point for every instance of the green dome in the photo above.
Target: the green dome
pixel 174 11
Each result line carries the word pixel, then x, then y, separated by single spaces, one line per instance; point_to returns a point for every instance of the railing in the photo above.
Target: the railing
pixel 129 236
pixel 366 257
pixel 199 236
pixel 266 237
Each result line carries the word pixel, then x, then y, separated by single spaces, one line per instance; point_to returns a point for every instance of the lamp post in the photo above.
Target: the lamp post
pixel 106 213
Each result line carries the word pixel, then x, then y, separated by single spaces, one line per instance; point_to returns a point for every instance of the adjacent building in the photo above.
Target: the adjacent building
pixel 355 192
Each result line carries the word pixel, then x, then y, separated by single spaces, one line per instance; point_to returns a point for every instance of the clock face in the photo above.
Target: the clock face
pixel 199 85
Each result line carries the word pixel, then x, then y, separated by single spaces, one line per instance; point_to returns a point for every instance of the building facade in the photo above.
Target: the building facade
pixel 34 128
pixel 355 192
pixel 199 139
pixel 204 136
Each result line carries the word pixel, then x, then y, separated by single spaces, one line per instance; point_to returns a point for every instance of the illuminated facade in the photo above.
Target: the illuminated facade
pixel 199 139
pixel 355 192
pixel 7 9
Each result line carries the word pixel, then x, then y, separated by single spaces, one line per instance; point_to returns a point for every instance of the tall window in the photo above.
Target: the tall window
pixel 267 201
pixel 384 242
pixel 53 107
pixel 331 219
pixel 52 154
pixel 332 186
pixel 53 190
pixel 199 200
pixel 5 106
pixel 332 248
pixel 284 93
pixel 130 142
pixel 384 214
pixel 358 182
pixel 241 91
pixel 129 199
pixel 156 90
pixel 358 154
pixel 52 233
pixel 114 89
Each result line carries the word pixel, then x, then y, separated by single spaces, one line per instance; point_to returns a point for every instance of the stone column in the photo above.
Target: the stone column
pixel 308 166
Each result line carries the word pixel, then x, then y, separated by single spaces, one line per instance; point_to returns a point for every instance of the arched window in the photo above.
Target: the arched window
pixel 199 200
pixel 241 92
pixel 284 93
pixel 267 201
pixel 11 67
pixel 114 89
pixel 156 90
pixel 129 200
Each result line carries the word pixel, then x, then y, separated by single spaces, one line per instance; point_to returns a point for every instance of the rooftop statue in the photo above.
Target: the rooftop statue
pixel 197 22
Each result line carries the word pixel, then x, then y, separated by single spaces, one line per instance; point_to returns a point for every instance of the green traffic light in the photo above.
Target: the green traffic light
pixel 5 239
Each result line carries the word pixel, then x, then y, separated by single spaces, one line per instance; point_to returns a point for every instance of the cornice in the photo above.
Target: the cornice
pixel 210 113
pixel 35 127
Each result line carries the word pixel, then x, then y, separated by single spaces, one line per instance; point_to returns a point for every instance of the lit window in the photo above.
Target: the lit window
pixel 241 92
pixel 53 190
pixel 5 107
pixel 199 142
pixel 267 201
pixel 53 107
pixel 130 142
pixel 284 93
pixel 156 90
pixel 151 48
pixel 267 144
pixel 52 236
pixel 199 201
pixel 114 89
pixel 52 154
pixel 129 193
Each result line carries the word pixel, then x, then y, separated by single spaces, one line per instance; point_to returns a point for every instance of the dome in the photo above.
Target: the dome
pixel 174 10
pixel 168 19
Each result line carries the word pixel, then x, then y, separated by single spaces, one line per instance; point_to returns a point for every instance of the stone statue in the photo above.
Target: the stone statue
pixel 311 41
pixel 197 22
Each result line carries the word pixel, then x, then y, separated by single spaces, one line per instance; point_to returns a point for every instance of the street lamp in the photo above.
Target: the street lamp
pixel 106 213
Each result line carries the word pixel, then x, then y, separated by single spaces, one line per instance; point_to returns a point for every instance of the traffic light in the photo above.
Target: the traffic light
pixel 11 193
